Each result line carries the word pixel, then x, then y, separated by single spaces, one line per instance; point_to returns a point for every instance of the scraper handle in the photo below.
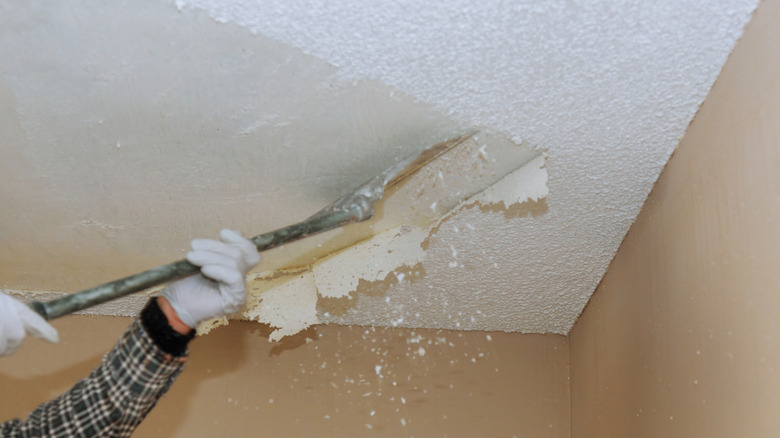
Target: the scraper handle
pixel 74 302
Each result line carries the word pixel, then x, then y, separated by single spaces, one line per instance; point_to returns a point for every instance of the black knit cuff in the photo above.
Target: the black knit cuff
pixel 156 324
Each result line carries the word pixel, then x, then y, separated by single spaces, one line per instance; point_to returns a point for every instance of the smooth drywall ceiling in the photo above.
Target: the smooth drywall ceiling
pixel 127 144
pixel 130 128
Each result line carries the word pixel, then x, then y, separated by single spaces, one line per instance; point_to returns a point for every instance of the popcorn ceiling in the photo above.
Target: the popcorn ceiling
pixel 607 88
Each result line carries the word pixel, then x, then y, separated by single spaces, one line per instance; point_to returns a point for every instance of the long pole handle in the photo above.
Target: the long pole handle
pixel 173 271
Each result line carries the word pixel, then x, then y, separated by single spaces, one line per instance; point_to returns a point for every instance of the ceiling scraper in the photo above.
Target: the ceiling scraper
pixel 356 206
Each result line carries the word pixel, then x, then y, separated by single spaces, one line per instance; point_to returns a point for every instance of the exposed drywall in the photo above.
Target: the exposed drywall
pixel 681 338
pixel 330 381
pixel 118 147
pixel 289 301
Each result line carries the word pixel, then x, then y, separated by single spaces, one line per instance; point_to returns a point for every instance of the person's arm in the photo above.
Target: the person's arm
pixel 120 392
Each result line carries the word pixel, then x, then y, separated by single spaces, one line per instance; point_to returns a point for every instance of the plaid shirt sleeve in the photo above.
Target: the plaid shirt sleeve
pixel 113 399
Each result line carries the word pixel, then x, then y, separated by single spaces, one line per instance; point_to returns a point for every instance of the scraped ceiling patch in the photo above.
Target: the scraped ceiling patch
pixel 371 260
pixel 289 302
pixel 529 183
pixel 212 128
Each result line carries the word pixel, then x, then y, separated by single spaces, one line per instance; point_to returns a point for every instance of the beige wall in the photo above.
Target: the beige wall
pixel 682 337
pixel 237 383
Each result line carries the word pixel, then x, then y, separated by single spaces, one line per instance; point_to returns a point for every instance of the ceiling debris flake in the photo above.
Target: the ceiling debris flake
pixel 207 326
pixel 288 303
pixel 371 260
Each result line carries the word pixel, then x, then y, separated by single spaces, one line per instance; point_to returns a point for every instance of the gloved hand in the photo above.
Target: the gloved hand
pixel 220 289
pixel 16 320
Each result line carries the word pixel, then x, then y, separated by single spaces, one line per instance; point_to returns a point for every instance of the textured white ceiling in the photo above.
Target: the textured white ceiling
pixel 129 128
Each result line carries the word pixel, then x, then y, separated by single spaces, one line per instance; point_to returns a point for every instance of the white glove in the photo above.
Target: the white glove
pixel 16 320
pixel 220 289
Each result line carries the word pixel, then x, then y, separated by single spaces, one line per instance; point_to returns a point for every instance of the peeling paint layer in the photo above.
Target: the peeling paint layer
pixel 287 303
pixel 371 260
